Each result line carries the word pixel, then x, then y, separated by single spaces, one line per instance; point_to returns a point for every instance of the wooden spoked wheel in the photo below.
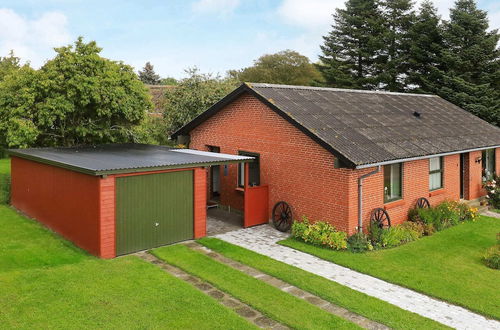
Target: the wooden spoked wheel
pixel 282 216
pixel 381 218
pixel 423 202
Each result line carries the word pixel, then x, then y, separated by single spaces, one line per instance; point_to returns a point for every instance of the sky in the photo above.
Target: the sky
pixel 213 35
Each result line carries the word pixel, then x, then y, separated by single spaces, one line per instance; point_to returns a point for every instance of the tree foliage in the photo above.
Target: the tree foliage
pixel 425 67
pixel 351 51
pixel 148 75
pixel 193 95
pixel 76 98
pixel 8 64
pixel 471 62
pixel 286 67
pixel 399 17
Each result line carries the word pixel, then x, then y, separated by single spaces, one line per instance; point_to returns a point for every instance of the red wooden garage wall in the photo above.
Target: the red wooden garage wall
pixel 63 200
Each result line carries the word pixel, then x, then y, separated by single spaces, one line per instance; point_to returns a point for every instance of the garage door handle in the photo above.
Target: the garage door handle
pixel 157 224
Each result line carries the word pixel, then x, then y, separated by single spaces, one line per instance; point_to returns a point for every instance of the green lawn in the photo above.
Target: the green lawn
pixel 4 179
pixel 46 283
pixel 271 301
pixel 353 300
pixel 446 265
pixel 5 166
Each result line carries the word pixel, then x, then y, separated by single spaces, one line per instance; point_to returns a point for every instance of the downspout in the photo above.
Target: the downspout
pixel 360 197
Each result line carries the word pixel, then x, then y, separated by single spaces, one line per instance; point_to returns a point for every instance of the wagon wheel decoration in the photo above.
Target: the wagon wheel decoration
pixel 423 202
pixel 282 216
pixel 381 218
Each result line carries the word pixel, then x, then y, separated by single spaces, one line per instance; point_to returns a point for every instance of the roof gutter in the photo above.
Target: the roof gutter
pixel 360 197
pixel 394 161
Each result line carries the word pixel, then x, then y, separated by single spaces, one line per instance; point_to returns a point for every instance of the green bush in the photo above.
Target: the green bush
pixel 492 257
pixel 359 243
pixel 395 235
pixel 444 215
pixel 4 188
pixel 319 233
pixel 493 192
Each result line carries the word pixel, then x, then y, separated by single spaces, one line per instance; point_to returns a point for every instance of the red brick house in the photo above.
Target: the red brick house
pixel 320 149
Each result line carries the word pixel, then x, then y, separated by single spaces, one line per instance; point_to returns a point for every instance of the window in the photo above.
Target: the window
pixel 488 159
pixel 393 183
pixel 254 170
pixel 435 173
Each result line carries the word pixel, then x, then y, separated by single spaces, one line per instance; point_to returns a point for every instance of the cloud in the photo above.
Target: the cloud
pixel 221 7
pixel 32 39
pixel 311 14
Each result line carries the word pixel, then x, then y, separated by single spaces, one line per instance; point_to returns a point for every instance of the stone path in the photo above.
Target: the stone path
pixel 262 239
pixel 293 290
pixel 491 214
pixel 231 302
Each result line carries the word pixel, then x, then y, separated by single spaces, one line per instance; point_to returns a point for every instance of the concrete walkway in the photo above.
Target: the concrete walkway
pixel 262 239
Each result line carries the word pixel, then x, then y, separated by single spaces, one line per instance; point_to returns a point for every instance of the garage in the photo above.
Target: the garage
pixel 116 199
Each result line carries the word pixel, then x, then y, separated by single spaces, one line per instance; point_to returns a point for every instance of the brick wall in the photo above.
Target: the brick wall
pixel 296 168
pixel 302 173
pixel 107 218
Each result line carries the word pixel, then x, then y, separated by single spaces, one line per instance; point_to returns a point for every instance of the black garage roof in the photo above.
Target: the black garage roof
pixel 124 158
pixel 367 128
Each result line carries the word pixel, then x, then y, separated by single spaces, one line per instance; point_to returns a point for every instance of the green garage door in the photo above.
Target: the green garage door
pixel 153 210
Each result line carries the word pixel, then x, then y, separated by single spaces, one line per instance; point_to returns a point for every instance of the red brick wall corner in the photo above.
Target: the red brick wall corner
pixel 200 202
pixel 107 221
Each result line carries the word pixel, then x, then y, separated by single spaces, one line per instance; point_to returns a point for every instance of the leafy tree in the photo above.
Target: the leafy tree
pixel 169 81
pixel 351 51
pixel 286 67
pixel 148 75
pixel 76 98
pixel 18 99
pixel 193 95
pixel 471 62
pixel 8 64
pixel 398 18
pixel 425 69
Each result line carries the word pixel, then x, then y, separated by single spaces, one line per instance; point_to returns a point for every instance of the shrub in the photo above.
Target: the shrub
pixel 319 233
pixel 359 243
pixel 493 192
pixel 492 257
pixel 444 215
pixel 415 227
pixel 397 235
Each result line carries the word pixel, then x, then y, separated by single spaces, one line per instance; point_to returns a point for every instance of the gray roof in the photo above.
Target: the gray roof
pixel 124 158
pixel 371 127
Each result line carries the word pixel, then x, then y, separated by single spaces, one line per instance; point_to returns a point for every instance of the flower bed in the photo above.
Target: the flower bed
pixel 423 222
pixel 493 192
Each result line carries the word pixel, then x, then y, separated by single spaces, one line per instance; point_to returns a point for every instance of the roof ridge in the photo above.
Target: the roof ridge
pixel 333 89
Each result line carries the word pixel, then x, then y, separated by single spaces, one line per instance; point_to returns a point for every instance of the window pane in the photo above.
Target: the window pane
pixel 488 159
pixel 241 174
pixel 435 181
pixel 396 180
pixel 435 163
pixel 392 181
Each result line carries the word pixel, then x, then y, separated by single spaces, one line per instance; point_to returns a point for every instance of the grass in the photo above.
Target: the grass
pixel 271 301
pixel 47 283
pixel 4 180
pixel 446 265
pixel 333 292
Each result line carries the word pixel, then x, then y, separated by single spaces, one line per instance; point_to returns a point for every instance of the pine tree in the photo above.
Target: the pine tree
pixel 351 50
pixel 471 62
pixel 148 75
pixel 424 74
pixel 398 16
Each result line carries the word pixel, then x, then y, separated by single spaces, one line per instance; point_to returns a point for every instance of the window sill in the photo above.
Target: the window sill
pixel 240 189
pixel 393 204
pixel 436 192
